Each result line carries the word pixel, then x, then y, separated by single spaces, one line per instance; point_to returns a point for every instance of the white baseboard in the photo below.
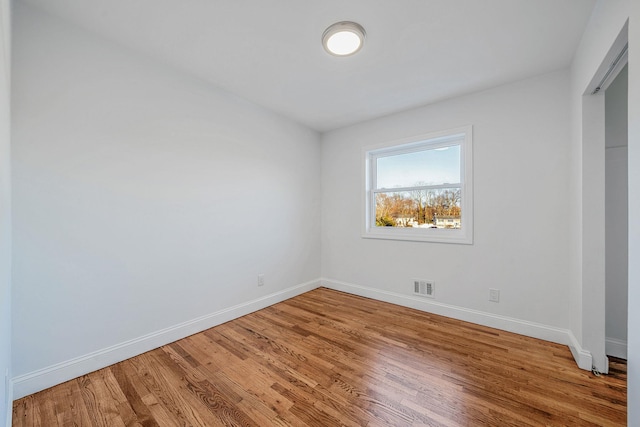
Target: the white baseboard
pixel 583 358
pixel 616 348
pixel 536 330
pixel 41 379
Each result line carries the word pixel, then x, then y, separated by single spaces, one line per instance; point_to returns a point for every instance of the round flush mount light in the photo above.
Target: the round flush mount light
pixel 343 38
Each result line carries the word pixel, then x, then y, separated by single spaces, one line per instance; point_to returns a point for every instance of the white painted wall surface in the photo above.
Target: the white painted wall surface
pixel 587 305
pixel 633 349
pixel 521 142
pixel 143 198
pixel 5 212
pixel 616 215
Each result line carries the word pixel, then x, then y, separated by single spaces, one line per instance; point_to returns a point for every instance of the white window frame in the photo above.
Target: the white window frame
pixel 459 136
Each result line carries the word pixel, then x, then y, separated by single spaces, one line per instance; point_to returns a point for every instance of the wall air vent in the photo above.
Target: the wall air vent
pixel 424 288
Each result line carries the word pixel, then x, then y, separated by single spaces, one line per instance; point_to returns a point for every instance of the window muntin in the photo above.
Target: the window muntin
pixel 421 189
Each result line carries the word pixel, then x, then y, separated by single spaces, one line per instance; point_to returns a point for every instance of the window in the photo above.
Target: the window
pixel 421 189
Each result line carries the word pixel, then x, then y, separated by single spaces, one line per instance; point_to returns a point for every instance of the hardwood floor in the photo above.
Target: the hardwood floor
pixel 328 358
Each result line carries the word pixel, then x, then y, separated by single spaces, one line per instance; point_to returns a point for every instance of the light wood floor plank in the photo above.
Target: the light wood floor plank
pixel 326 358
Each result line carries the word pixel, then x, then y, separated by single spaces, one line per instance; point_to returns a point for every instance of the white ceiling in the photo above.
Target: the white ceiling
pixel 269 52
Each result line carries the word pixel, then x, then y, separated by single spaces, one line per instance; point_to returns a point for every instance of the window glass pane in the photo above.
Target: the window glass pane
pixel 419 208
pixel 429 167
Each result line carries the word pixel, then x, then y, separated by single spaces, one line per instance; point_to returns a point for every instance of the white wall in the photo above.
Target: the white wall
pixel 616 215
pixel 5 213
pixel 143 199
pixel 587 302
pixel 521 139
pixel 633 373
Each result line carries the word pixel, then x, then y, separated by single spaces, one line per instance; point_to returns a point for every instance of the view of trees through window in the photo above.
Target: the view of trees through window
pixel 419 187
pixel 423 208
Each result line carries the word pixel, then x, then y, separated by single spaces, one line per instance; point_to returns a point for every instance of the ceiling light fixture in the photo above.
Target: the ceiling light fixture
pixel 343 38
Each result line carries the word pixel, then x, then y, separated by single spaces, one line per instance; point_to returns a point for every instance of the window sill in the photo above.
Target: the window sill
pixel 431 235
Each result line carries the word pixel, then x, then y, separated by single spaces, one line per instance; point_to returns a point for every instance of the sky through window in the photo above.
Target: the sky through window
pixel 430 167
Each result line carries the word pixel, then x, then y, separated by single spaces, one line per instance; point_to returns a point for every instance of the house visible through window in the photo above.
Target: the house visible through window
pixel 421 189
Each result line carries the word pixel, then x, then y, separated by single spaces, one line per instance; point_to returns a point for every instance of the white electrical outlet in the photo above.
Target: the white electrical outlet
pixel 260 279
pixel 494 295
